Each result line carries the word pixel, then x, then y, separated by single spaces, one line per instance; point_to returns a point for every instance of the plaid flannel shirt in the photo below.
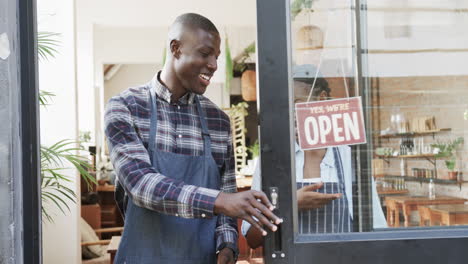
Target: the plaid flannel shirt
pixel 127 126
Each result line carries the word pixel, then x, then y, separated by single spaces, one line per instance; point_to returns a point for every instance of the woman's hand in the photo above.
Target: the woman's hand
pixel 308 198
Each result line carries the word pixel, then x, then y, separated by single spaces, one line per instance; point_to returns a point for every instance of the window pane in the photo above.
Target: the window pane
pixel 324 66
pixel 417 54
pixel 415 94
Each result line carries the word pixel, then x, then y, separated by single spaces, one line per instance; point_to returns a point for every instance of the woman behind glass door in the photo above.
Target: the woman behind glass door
pixel 324 176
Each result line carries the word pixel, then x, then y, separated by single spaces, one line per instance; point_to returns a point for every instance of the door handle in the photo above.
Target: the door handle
pixel 274 197
pixel 277 240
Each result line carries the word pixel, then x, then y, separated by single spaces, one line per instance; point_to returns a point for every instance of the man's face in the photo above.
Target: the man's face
pixel 197 60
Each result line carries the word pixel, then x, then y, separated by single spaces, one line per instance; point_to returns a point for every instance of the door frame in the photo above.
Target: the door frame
pixel 30 140
pixel 275 106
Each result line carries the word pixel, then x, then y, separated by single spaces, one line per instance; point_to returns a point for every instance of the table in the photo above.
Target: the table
pixel 113 246
pixel 391 191
pixel 447 214
pixel 411 203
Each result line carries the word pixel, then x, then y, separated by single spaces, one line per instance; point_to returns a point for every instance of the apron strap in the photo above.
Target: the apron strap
pixel 339 166
pixel 204 125
pixel 153 123
pixel 340 172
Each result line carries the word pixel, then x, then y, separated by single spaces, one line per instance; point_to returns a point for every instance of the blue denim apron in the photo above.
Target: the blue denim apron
pixel 152 237
pixel 333 217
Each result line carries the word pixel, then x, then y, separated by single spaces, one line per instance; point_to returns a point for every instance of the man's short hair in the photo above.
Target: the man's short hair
pixel 194 21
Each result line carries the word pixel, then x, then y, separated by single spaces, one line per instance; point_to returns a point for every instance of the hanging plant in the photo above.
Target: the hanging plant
pixel 240 65
pixel 298 5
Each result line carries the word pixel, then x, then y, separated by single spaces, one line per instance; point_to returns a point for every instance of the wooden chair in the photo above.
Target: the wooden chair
pixel 427 216
pixel 103 241
pixel 105 258
pixel 424 216
pixel 393 213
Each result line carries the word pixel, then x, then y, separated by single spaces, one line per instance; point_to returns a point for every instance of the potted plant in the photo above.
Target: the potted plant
pixel 246 69
pixel 254 149
pixel 448 151
pixel 58 157
pixel 297 6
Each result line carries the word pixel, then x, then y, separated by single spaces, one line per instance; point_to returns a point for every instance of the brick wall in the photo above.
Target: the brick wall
pixel 446 98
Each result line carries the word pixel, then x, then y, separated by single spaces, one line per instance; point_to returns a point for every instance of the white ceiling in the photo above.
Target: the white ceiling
pixel 150 13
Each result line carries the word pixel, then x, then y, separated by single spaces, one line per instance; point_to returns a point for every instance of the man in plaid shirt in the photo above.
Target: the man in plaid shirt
pixel 171 148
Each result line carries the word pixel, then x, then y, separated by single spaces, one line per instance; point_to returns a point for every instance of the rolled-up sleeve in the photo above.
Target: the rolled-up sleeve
pixel 145 186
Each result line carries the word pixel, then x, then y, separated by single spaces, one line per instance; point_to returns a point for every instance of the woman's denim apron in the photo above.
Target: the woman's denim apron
pixel 153 237
pixel 333 217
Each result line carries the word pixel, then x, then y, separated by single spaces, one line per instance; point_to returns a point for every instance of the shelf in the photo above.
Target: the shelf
pixel 416 134
pixel 430 157
pixel 391 191
pixel 424 156
pixel 421 180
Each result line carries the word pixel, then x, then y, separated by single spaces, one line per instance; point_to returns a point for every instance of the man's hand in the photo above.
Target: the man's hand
pixel 308 198
pixel 226 256
pixel 246 205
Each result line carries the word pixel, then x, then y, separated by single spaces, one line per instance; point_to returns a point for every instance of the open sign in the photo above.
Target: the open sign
pixel 330 123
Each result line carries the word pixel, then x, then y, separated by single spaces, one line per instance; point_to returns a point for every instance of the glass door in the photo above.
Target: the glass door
pixel 363 120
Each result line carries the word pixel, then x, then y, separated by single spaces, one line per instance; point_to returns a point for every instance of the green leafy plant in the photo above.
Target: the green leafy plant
pixel 45 97
pixel 447 150
pixel 54 158
pixel 298 5
pixel 47 45
pixel 85 136
pixel 240 63
pixel 239 109
pixel 254 149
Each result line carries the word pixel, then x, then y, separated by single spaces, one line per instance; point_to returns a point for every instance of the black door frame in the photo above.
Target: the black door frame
pixel 442 245
pixel 31 181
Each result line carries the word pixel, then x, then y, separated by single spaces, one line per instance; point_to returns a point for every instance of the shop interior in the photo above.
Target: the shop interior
pixel 419 112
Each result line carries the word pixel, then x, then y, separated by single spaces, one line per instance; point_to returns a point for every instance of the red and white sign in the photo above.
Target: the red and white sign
pixel 330 123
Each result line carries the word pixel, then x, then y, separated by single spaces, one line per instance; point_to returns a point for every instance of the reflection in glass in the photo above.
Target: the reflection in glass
pixel 413 57
pixel 322 41
pixel 416 55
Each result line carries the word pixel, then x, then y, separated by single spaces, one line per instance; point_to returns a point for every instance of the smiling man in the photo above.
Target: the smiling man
pixel 171 148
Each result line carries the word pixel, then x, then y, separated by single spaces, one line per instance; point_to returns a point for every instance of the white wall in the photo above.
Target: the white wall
pixel 120 26
pixel 127 76
pixel 129 33
pixel 58 121
pixel 431 24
